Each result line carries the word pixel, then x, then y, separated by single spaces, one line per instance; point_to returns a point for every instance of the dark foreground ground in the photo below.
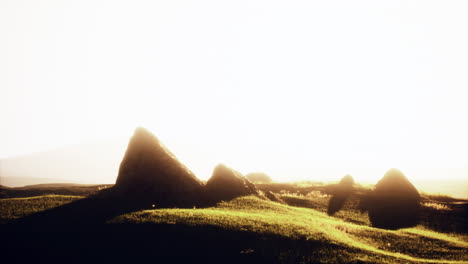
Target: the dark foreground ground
pixel 122 243
pixel 40 230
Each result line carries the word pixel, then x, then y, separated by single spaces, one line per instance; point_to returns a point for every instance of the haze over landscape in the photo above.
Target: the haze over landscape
pixel 303 91
pixel 247 131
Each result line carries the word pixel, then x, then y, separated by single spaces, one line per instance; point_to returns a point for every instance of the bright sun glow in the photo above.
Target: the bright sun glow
pixel 302 90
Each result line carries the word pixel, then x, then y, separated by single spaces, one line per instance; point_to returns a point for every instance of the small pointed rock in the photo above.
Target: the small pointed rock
pixel 226 184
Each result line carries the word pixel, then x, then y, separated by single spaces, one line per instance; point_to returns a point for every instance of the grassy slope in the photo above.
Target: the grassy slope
pixel 346 236
pixel 264 217
pixel 56 188
pixel 18 207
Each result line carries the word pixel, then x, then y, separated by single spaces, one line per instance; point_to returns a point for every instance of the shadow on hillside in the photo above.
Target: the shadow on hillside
pixel 451 219
pixel 95 209
pixel 120 243
pixel 91 210
pixel 79 230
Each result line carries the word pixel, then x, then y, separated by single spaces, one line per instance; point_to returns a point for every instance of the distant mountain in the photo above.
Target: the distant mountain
pixel 84 163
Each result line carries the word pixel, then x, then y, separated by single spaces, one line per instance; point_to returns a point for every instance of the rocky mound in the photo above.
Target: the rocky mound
pixel 151 174
pixel 394 203
pixel 347 180
pixel 341 192
pixel 259 177
pixel 226 184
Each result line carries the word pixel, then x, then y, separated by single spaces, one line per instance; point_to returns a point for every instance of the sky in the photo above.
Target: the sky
pixel 301 90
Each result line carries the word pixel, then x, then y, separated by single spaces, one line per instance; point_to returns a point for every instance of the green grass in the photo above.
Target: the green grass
pixel 13 208
pixel 56 188
pixel 268 218
pixel 343 238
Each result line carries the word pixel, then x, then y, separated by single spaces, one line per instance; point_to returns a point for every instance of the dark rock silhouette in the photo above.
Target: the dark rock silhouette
pixel 151 174
pixel 149 177
pixel 341 192
pixel 394 203
pixel 258 177
pixel 226 184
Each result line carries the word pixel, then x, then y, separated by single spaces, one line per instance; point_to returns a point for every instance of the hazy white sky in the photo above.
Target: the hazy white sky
pixel 298 89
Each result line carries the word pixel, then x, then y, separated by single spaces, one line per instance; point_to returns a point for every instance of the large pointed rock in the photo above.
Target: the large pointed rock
pixel 226 184
pixel 394 203
pixel 152 174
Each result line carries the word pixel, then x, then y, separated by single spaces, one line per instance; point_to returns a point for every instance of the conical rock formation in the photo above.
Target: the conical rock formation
pixel 226 184
pixel 394 203
pixel 150 173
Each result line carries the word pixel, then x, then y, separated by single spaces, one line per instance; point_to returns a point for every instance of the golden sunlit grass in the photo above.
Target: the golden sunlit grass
pixel 437 206
pixel 318 201
pixel 264 217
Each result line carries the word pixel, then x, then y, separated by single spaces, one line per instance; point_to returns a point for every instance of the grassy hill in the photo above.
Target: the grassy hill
pixel 14 208
pixel 245 229
pixel 52 188
pixel 268 218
